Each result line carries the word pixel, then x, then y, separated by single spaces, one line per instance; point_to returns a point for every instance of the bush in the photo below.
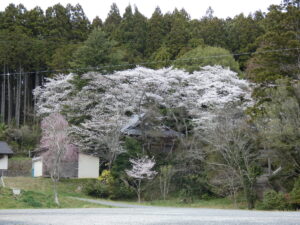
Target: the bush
pixel 133 150
pixel 295 195
pixel 274 200
pixel 121 191
pixel 194 186
pixel 97 189
pixel 108 187
pixel 30 198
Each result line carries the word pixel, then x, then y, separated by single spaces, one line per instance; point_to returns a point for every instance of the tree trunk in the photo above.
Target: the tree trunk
pixel 18 99
pixel 55 192
pixel 249 193
pixel 139 197
pixel 36 84
pixel 1 178
pixel 9 113
pixel 25 98
pixel 138 191
pixel 165 189
pixel 3 95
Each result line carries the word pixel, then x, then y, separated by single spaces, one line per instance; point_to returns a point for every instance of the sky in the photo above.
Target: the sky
pixel 196 8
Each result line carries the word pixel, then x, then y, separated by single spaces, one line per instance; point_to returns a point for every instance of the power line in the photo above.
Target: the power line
pixel 147 63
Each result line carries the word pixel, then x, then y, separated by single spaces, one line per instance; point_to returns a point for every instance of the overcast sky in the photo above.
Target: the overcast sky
pixel 196 8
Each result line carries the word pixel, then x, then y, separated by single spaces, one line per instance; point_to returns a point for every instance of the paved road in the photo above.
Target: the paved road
pixel 146 216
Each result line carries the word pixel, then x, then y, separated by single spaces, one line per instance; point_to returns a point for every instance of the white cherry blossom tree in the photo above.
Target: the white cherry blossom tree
pixel 99 109
pixel 141 170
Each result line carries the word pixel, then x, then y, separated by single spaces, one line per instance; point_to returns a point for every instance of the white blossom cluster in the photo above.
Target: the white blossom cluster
pixel 142 168
pixel 106 103
pixel 51 98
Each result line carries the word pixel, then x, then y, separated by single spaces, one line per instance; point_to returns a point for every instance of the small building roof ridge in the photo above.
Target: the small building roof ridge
pixel 5 149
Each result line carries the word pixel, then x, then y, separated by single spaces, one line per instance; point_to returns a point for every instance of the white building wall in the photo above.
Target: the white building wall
pixel 3 162
pixel 88 166
pixel 37 166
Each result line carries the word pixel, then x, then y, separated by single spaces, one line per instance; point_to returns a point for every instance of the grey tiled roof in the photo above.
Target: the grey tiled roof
pixel 133 128
pixel 5 149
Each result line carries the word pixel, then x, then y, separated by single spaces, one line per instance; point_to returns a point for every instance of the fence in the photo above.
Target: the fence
pixel 25 168
pixel 18 168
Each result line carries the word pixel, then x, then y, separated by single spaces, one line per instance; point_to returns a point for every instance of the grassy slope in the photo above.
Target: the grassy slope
pixel 30 199
pixel 219 203
pixel 37 193
pixel 69 187
pixel 72 187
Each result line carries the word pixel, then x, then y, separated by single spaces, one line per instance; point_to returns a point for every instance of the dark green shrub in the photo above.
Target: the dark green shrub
pixel 121 191
pixel 97 189
pixel 295 195
pixel 274 200
pixel 31 199
pixel 186 195
pixel 134 149
pixel 117 188
pixel 108 187
pixel 196 186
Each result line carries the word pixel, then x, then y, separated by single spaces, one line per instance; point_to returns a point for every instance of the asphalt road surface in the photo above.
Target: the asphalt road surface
pixel 146 216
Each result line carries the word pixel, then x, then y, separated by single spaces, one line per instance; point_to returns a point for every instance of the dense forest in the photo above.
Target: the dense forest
pixel 253 142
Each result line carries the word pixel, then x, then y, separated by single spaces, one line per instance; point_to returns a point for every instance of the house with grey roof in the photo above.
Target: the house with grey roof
pixel 156 137
pixel 5 152
pixel 139 125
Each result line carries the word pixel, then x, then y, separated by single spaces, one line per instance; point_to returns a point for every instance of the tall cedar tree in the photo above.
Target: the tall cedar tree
pixel 156 32
pixel 282 32
pixel 113 20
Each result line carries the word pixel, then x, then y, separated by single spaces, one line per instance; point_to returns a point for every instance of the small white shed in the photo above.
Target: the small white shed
pixel 5 152
pixel 86 166
pixel 37 167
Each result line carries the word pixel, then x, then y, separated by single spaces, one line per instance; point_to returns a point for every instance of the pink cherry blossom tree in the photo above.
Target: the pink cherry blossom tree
pixel 141 170
pixel 56 142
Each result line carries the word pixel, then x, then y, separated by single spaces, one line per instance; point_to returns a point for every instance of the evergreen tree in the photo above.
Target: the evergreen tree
pixel 278 119
pixel 79 23
pixel 279 46
pixel 62 56
pixel 35 22
pixel 97 23
pixel 97 51
pixel 212 30
pixel 13 17
pixel 140 32
pixel 132 34
pixel 292 3
pixel 113 20
pixel 178 36
pixel 242 34
pixel 58 23
pixel 156 32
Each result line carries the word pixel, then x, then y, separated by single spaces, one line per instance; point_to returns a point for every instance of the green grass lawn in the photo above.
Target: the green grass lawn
pixel 40 190
pixel 38 193
pixel 217 203
pixel 32 199
pixel 66 187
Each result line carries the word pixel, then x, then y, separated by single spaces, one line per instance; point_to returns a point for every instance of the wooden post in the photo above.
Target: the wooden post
pixel 2 181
